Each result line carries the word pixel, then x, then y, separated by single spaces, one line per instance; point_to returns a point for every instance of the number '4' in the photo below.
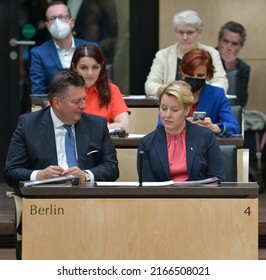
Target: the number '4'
pixel 247 211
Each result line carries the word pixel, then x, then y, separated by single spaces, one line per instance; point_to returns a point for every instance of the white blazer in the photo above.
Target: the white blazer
pixel 163 69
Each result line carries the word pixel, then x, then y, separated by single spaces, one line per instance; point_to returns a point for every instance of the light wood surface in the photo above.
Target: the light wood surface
pixel 127 160
pixel 140 229
pixel 143 120
pixel 214 14
pixel 127 164
pixel 242 165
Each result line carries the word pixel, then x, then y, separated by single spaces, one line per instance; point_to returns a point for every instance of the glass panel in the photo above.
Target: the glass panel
pixel 106 22
pixel 103 21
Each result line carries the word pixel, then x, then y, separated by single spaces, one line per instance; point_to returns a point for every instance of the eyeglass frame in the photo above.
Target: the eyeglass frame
pixel 187 33
pixel 60 17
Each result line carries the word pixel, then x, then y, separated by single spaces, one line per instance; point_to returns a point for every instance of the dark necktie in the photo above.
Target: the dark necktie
pixel 70 147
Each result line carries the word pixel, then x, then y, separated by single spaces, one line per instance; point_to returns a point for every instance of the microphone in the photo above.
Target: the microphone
pixel 120 132
pixel 141 154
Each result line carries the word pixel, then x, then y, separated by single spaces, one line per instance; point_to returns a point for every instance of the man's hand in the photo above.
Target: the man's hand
pixel 75 171
pixel 229 59
pixel 51 171
pixel 54 171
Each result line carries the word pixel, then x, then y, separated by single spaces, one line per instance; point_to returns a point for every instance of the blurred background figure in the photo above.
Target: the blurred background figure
pixel 231 39
pixel 165 67
pixel 56 53
pixel 196 68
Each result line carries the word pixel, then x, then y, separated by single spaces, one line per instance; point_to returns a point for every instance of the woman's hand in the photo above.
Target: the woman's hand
pixel 207 122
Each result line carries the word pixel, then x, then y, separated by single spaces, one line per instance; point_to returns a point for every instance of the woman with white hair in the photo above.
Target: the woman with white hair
pixel 165 66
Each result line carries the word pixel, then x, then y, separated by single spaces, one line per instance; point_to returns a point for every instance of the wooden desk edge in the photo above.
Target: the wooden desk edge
pixel 225 190
pixel 126 142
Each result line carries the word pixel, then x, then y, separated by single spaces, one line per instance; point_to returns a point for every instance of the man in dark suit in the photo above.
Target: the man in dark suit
pixel 55 54
pixel 231 39
pixel 37 149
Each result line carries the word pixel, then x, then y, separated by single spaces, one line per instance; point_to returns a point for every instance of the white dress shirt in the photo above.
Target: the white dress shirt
pixel 65 56
pixel 60 133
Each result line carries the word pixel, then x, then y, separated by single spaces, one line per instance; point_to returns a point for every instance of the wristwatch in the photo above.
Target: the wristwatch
pixel 87 176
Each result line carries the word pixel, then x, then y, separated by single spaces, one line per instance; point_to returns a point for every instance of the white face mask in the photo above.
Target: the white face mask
pixel 59 29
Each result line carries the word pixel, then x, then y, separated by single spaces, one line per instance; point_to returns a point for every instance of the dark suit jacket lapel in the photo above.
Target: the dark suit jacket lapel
pixel 191 145
pixel 161 150
pixel 52 52
pixel 82 139
pixel 47 137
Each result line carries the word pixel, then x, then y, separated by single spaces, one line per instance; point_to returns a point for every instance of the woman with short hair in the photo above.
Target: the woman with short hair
pixel 165 67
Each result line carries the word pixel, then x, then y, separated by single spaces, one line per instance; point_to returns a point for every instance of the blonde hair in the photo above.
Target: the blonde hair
pixel 180 89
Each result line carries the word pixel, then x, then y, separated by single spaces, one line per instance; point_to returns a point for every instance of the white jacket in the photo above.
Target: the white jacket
pixel 163 69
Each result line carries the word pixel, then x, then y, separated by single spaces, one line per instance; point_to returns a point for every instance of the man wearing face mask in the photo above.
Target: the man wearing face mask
pixel 196 68
pixel 55 54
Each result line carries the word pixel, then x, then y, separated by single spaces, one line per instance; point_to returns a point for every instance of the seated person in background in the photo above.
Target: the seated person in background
pixel 37 150
pixel 195 68
pixel 165 66
pixel 55 54
pixel 103 98
pixel 231 39
pixel 179 150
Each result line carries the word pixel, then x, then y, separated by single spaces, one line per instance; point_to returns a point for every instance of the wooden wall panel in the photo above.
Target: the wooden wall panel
pixel 214 14
pixel 140 229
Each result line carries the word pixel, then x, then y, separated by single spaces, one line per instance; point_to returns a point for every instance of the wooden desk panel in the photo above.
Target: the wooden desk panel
pixel 127 164
pixel 131 100
pixel 140 229
pixel 127 157
pixel 236 140
pixel 37 99
pixel 141 101
pixel 143 120
pixel 88 190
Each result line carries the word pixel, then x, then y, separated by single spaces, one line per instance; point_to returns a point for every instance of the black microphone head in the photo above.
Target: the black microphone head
pixel 141 154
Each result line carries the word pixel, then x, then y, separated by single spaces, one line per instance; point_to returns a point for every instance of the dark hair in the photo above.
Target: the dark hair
pixel 57 3
pixel 192 59
pixel 102 84
pixel 60 82
pixel 234 27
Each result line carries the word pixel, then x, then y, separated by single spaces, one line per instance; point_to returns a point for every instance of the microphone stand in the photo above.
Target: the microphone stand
pixel 141 154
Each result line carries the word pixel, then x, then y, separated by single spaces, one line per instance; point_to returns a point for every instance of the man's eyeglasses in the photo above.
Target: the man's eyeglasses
pixel 60 17
pixel 187 33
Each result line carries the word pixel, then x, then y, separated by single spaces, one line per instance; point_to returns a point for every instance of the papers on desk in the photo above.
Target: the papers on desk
pixel 134 96
pixel 160 184
pixel 135 135
pixel 230 96
pixel 134 184
pixel 71 180
pixel 139 97
pixel 199 182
